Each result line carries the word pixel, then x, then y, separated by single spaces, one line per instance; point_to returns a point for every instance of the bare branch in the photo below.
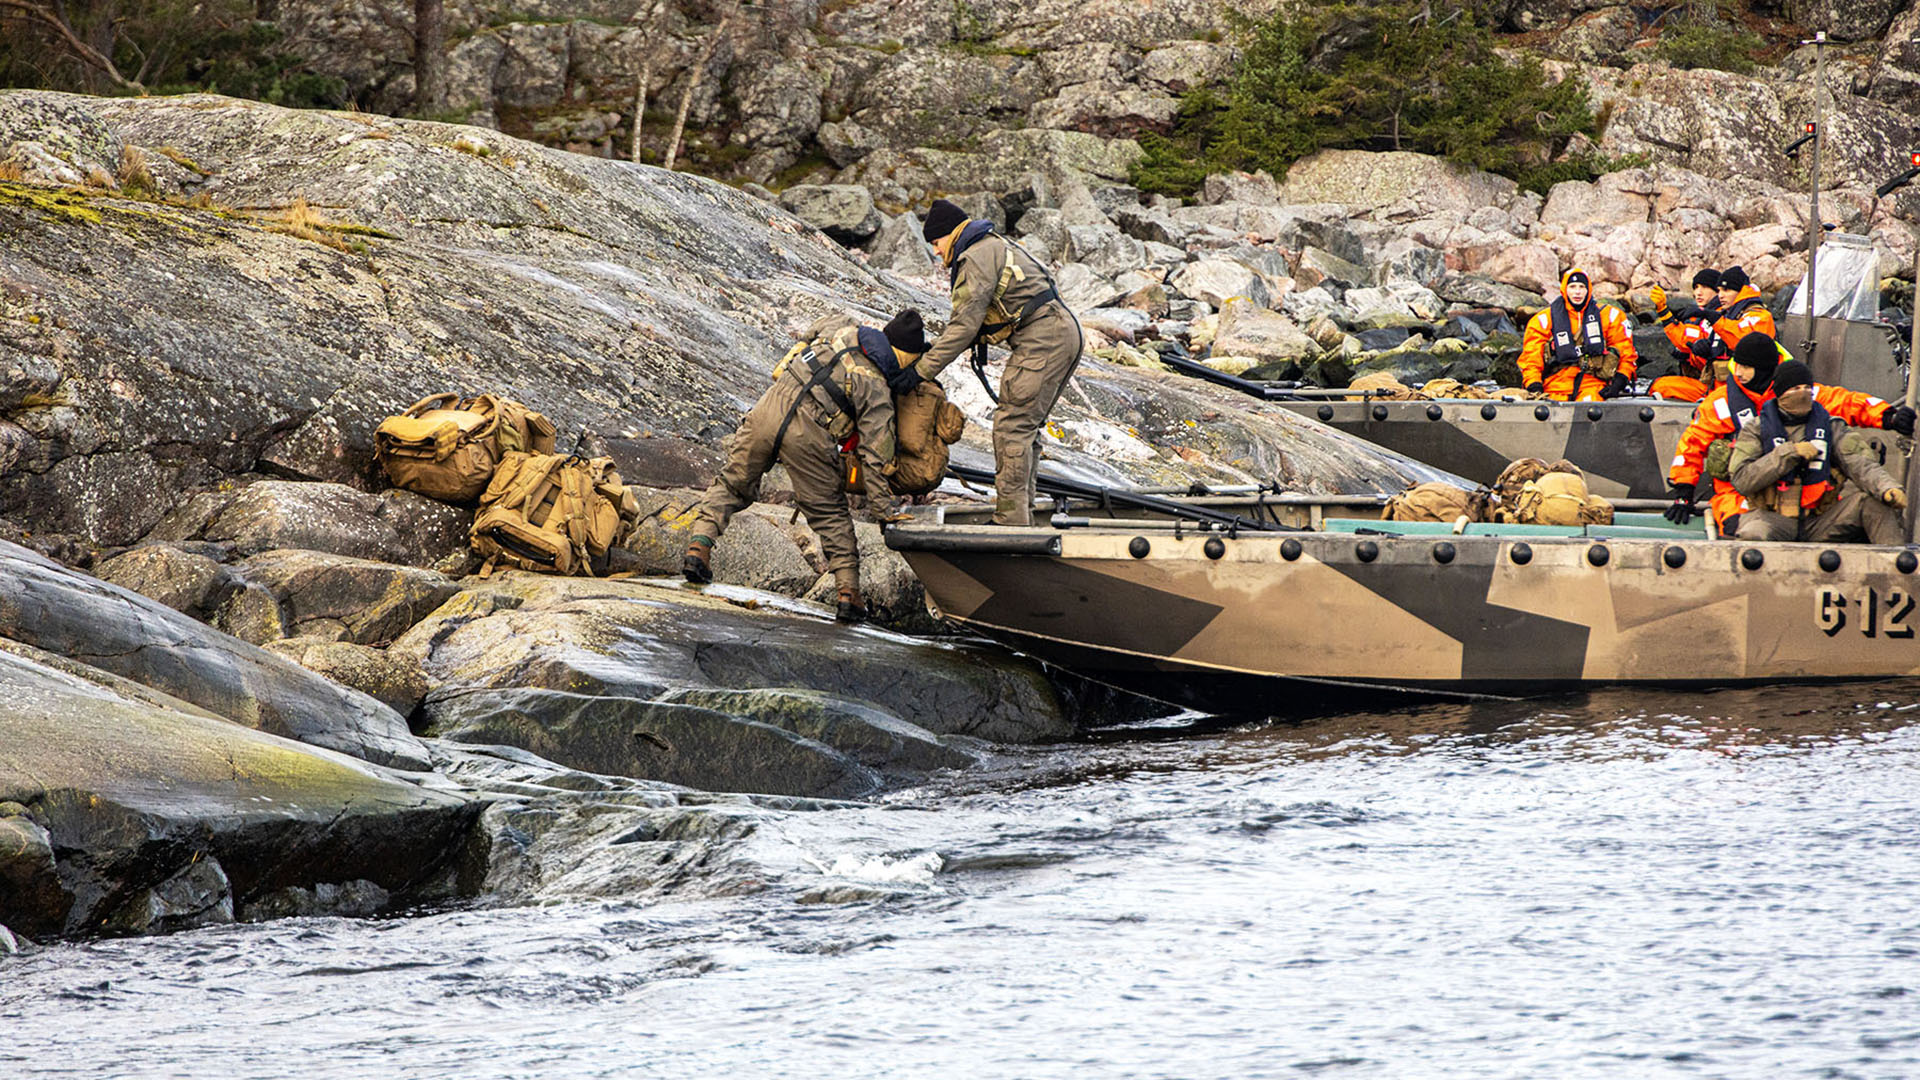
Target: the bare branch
pixel 47 16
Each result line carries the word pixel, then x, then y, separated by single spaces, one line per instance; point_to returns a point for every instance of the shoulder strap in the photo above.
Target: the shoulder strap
pixel 820 375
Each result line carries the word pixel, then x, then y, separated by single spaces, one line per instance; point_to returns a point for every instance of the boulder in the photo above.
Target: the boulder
pixel 1324 268
pixel 391 682
pixel 394 526
pixel 844 212
pixel 1534 267
pixel 1847 20
pixel 1218 280
pixel 106 627
pixel 1083 289
pixel 1483 292
pixel 1254 189
pixel 1104 249
pixel 593 674
pixel 1250 331
pixel 1394 184
pixel 123 810
pixel 898 246
pixel 318 594
pixel 186 581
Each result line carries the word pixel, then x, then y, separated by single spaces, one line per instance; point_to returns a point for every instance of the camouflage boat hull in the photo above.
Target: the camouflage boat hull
pixel 1624 447
pixel 1269 620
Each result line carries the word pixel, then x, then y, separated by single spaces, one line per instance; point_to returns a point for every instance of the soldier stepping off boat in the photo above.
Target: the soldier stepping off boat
pixel 1001 295
pixel 828 417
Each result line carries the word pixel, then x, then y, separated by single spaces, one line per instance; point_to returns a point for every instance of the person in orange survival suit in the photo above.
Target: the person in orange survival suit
pixel 1694 341
pixel 1735 403
pixel 1741 310
pixel 1565 349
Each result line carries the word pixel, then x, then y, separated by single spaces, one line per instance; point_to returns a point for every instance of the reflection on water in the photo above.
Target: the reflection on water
pixel 1619 884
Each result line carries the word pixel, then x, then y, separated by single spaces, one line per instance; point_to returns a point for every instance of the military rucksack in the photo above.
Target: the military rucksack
pixel 925 423
pixel 554 514
pixel 1560 498
pixel 1436 501
pixel 447 449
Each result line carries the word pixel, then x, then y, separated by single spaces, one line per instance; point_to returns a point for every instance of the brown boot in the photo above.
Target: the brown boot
pixel 851 608
pixel 697 564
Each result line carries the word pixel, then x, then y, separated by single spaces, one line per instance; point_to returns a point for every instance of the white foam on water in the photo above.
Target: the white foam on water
pixel 882 870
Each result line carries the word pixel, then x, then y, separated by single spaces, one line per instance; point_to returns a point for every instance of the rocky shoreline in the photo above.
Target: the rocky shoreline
pixel 246 680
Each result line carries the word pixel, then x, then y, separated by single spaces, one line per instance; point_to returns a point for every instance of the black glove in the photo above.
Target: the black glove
pixel 1899 418
pixel 905 382
pixel 1703 348
pixel 1536 386
pixel 1614 388
pixel 1681 511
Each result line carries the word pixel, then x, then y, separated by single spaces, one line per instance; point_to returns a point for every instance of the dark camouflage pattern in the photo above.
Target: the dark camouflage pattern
pixel 1264 619
pixel 1624 446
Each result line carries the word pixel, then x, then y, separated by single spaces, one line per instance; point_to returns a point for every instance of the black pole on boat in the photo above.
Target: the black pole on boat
pixel 1913 355
pixel 1221 378
pixel 1106 496
pixel 1815 230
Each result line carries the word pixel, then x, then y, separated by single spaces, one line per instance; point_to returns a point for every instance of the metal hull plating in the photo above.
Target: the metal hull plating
pixel 1624 447
pixel 1461 614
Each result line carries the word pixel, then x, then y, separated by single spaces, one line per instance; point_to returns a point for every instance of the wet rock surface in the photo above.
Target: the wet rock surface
pixel 663 683
pixel 126 811
pixel 89 621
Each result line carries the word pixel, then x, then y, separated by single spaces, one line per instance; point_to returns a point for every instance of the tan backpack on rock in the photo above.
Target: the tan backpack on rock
pixel 553 514
pixel 447 449
pixel 925 424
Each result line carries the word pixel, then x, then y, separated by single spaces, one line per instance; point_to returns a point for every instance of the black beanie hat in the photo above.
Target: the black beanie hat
pixel 907 332
pixel 1708 277
pixel 1789 375
pixel 1758 352
pixel 1734 278
pixel 942 218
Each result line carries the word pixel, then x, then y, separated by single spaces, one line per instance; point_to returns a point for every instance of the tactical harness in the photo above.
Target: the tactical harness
pixel 819 376
pixel 993 330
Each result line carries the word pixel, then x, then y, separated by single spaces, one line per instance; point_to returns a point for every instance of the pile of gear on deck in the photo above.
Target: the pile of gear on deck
pixel 537 510
pixel 1527 492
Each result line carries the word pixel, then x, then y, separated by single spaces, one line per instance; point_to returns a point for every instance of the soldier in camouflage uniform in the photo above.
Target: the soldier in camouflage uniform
pixel 830 397
pixel 1808 477
pixel 1002 295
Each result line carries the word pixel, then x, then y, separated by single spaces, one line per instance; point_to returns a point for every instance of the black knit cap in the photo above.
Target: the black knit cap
pixel 1708 277
pixel 942 218
pixel 907 332
pixel 1758 352
pixel 1789 375
pixel 1734 278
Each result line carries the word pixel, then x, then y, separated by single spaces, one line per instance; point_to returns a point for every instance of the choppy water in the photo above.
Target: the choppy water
pixel 1626 885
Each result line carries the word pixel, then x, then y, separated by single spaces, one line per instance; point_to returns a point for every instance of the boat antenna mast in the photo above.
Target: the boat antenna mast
pixel 1817 129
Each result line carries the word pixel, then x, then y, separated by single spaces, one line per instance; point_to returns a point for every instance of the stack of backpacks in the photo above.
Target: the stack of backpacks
pixel 538 510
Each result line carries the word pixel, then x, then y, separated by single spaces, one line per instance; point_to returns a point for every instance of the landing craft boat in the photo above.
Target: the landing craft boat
pixel 1626 445
pixel 1268 600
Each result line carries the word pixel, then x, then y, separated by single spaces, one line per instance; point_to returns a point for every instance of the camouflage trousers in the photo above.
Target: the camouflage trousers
pixel 1856 517
pixel 813 465
pixel 1045 353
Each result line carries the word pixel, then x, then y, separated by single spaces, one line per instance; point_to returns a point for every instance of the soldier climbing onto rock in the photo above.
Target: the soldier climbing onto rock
pixel 1577 349
pixel 1808 477
pixel 1704 451
pixel 1694 342
pixel 1000 294
pixel 828 417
